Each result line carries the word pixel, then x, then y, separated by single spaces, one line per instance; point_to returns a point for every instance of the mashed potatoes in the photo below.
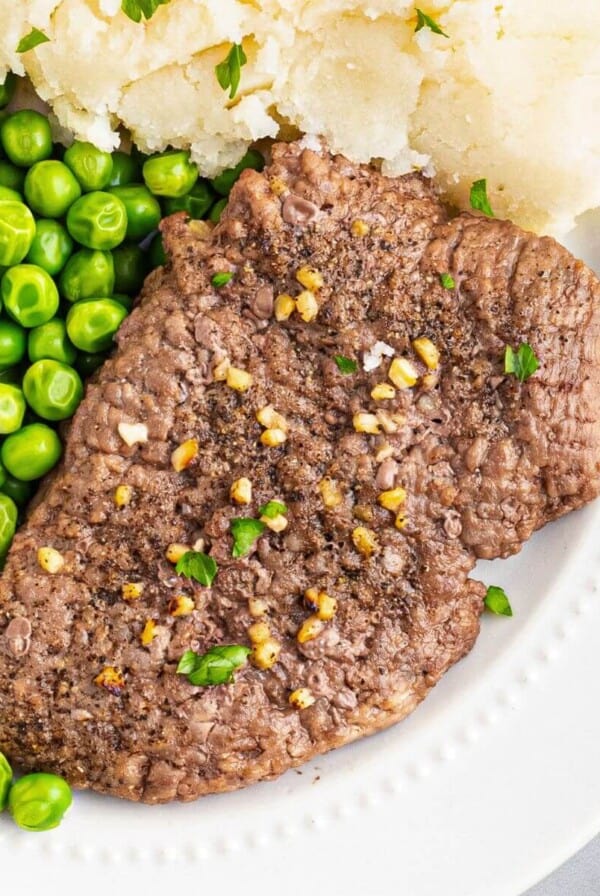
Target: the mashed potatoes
pixel 512 95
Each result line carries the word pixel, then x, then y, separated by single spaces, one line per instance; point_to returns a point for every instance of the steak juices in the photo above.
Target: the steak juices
pixel 334 428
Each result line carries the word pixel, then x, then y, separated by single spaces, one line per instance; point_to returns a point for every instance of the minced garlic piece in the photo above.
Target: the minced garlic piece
pixel 181 605
pixel 275 523
pixel 241 491
pixel 272 438
pixel 365 540
pixel 301 698
pixel 330 493
pixel 427 352
pixel 324 605
pixel 266 654
pixel 307 306
pixel 50 560
pixel 392 499
pixel 238 379
pixel 183 456
pixel 382 392
pixel 384 452
pixel 175 552
pixel 310 278
pixel 132 590
pixel 123 495
pixel 310 629
pixel 220 370
pixel 258 632
pixel 359 228
pixel 403 373
pixel 133 433
pixel 110 678
pixel 148 633
pixel 257 607
pixel 284 307
pixel 366 423
pixel 271 419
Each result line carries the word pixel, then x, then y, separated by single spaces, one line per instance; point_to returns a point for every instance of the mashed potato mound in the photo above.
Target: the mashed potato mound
pixel 513 94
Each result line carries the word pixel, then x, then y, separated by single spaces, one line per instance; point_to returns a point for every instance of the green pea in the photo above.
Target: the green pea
pixel 6 776
pixel 92 323
pixel 170 173
pixel 196 203
pixel 26 138
pixel 12 408
pixel 217 210
pixel 87 273
pixel 29 294
pixel 92 167
pixel 52 389
pixel 31 452
pixel 20 492
pixel 7 89
pixel 157 253
pixel 88 362
pixel 8 522
pixel 225 181
pixel 39 802
pixel 11 195
pixel 51 246
pixel 131 267
pixel 143 211
pixel 51 188
pixel 11 176
pixel 17 231
pixel 50 341
pixel 125 170
pixel 13 343
pixel 98 221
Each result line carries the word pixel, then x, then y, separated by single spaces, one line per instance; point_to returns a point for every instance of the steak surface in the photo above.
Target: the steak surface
pixel 483 458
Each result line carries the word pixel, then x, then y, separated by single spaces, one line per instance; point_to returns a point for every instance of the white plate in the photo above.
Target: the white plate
pixel 489 785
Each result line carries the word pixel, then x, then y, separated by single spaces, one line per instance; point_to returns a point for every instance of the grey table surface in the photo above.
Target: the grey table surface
pixel 580 876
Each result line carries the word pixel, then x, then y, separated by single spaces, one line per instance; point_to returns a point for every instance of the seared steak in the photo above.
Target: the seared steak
pixel 87 688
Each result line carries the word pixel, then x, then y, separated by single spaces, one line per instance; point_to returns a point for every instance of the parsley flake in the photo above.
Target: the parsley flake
pixel 425 21
pixel 479 198
pixel 497 602
pixel 345 365
pixel 245 531
pixel 523 362
pixel 32 40
pixel 221 279
pixel 198 566
pixel 138 9
pixel 447 281
pixel 229 71
pixel 214 667
pixel 272 509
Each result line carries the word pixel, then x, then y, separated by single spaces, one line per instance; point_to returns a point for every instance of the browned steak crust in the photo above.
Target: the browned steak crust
pixel 484 460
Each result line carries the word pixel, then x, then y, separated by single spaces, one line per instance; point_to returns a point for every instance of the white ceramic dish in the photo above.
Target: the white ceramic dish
pixel 488 786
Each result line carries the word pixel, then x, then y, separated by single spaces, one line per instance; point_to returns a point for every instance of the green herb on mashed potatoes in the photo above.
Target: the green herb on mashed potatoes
pixel 229 72
pixel 136 9
pixel 32 40
pixel 425 21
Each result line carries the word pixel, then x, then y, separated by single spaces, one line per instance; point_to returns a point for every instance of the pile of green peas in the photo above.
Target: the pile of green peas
pixel 37 802
pixel 78 235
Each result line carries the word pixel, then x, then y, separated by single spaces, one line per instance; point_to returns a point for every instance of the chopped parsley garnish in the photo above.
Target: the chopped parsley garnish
pixel 198 566
pixel 345 365
pixel 245 531
pixel 447 281
pixel 32 40
pixel 136 9
pixel 272 509
pixel 229 71
pixel 425 21
pixel 522 362
pixel 497 602
pixel 221 279
pixel 479 198
pixel 216 666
